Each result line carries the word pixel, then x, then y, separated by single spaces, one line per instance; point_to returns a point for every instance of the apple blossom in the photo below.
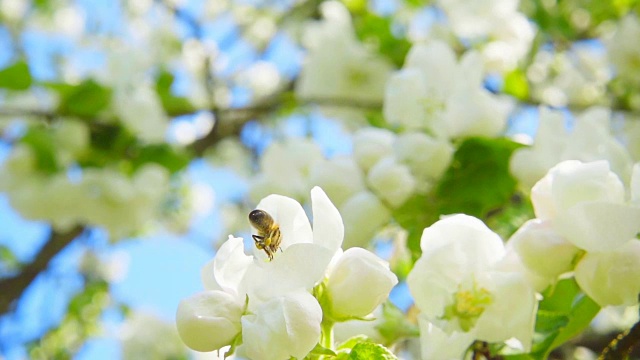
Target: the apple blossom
pixel 357 283
pixel 586 202
pixel 427 157
pixel 622 50
pixel 462 293
pixel 370 145
pixel 283 327
pixel 338 188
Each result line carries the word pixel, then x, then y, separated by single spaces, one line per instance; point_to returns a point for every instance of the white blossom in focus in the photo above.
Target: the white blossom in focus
pixel 461 292
pixel 587 205
pixel 209 320
pixel 281 328
pixel 357 283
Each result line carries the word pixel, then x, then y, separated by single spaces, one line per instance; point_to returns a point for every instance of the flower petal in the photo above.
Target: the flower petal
pixel 299 266
pixel 438 345
pixel 230 265
pixel 328 229
pixel 290 216
pixel 599 226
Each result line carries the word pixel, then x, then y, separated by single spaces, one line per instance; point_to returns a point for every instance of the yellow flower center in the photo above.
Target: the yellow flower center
pixel 467 306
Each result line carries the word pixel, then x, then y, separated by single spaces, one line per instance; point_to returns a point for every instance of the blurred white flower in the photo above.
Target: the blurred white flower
pixel 370 145
pixel 590 140
pixel 391 181
pixel 364 215
pixel 340 177
pixel 623 50
pixel 145 336
pixel 337 65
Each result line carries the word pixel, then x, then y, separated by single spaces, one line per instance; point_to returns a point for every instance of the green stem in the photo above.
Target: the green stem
pixel 326 339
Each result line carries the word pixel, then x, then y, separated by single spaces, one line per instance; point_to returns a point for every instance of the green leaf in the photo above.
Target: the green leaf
pixel 515 83
pixel 563 313
pixel 320 350
pixel 16 77
pixel 377 30
pixel 41 142
pixel 369 350
pixel 353 341
pixel 173 105
pixel 163 154
pixel 478 180
pixel 84 100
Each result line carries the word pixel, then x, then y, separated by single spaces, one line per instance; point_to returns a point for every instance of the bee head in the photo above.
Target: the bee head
pixel 260 219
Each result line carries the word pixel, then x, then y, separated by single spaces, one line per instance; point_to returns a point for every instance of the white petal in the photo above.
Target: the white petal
pixel 299 266
pixel 438 345
pixel 599 226
pixel 290 216
pixel 230 265
pixel 328 229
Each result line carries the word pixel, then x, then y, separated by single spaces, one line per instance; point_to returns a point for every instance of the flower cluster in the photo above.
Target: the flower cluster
pixel 587 223
pixel 94 196
pixel 267 308
pixel 462 290
pixel 553 144
pixel 437 93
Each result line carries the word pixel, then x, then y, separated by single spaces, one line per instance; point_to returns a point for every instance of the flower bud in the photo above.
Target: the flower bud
pixel 209 320
pixel 542 250
pixel 370 145
pixel 428 158
pixel 392 181
pixel 363 214
pixel 357 283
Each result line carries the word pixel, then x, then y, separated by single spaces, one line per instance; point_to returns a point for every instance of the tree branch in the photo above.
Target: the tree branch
pixel 622 345
pixel 12 288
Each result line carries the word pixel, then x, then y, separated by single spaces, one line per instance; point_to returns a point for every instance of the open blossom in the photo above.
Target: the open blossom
pixel 262 294
pixel 586 202
pixel 461 292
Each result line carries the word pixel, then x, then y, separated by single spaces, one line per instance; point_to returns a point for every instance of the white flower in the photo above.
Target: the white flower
pixel 542 250
pixel 285 167
pixel 612 277
pixel 426 95
pixel 392 181
pixel 146 336
pixel 337 65
pixel 459 289
pixel 209 320
pixel 623 50
pixel 586 202
pixel 590 140
pixel 427 157
pixel 281 328
pixel 357 283
pixel 301 262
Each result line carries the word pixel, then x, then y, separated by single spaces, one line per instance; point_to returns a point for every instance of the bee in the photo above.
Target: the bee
pixel 269 237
